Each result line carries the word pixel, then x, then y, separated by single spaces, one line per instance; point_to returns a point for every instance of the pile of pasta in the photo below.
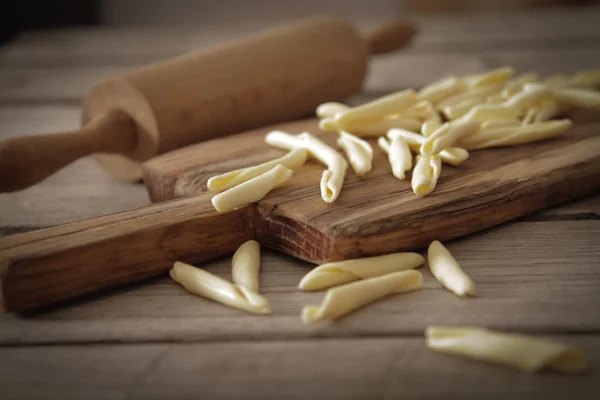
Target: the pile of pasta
pixel 353 284
pixel 437 125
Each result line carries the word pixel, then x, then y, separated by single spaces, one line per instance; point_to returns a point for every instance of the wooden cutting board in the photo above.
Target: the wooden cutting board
pixel 378 213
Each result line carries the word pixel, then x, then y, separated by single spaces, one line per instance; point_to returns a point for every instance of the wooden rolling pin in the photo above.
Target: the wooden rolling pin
pixel 278 75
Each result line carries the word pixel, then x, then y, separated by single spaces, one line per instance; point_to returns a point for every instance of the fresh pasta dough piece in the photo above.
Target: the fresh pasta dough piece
pixel 453 155
pixel 448 271
pixel 515 85
pixel 588 78
pixel 447 135
pixel 380 128
pixel 245 266
pixel 487 112
pixel 342 300
pixel 426 174
pixel 340 272
pixel 383 107
pixel 498 75
pixel 509 136
pixel 358 151
pixel 549 112
pixel 332 179
pixel 442 89
pixel 478 93
pixel 434 116
pixel 500 123
pixel 532 95
pixel 328 124
pixel 429 127
pixel 399 155
pixel 459 110
pixel 328 110
pixel 420 110
pixel 524 352
pixel 252 190
pixel 292 160
pixel 574 97
pixel 205 284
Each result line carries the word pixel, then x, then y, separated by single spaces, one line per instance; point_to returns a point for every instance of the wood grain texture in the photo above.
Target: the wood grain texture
pixel 383 368
pixel 540 277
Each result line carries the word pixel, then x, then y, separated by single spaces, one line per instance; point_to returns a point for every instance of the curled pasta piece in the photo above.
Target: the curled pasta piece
pixel 420 110
pixel 448 134
pixel 458 110
pixel 342 300
pixel 331 108
pixel 510 136
pixel 399 155
pixel 381 108
pixel 426 174
pixel 245 266
pixel 582 98
pixel 588 78
pixel 448 271
pixel 442 89
pixel 532 95
pixel 498 75
pixel 429 127
pixel 332 179
pixel 453 155
pixel 251 190
pixel 380 128
pixel 478 93
pixel 524 352
pixel 358 151
pixel 205 284
pixel 487 112
pixel 292 160
pixel 500 123
pixel 340 272
pixel 515 85
pixel 549 112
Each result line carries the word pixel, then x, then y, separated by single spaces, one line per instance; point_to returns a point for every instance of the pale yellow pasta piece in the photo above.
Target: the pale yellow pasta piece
pixel 252 190
pixel 453 155
pixel 342 300
pixel 530 116
pixel 442 89
pixel 399 155
pixel 331 108
pixel 429 127
pixel 510 136
pixel 498 75
pixel 292 160
pixel 245 266
pixel 478 93
pixel 434 116
pixel 385 106
pixel 549 112
pixel 515 85
pixel 500 123
pixel 332 179
pixel 524 352
pixel 532 95
pixel 340 272
pixel 574 97
pixel 381 127
pixel 458 110
pixel 487 112
pixel 328 124
pixel 358 151
pixel 495 99
pixel 448 134
pixel 588 78
pixel 420 110
pixel 447 271
pixel 426 174
pixel 205 284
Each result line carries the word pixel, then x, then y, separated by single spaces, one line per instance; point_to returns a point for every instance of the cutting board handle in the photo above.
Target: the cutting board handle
pixel 27 160
pixel 48 266
pixel 390 36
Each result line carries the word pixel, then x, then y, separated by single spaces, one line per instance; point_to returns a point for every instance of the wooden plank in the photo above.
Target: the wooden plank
pixel 588 208
pixel 382 368
pixel 81 190
pixel 531 276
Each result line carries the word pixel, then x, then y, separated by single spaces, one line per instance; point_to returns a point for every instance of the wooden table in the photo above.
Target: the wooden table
pixel 540 274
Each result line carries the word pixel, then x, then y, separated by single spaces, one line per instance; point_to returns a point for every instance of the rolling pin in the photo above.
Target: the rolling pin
pixel 278 75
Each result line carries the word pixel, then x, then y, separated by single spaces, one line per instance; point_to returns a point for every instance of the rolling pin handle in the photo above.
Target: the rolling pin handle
pixel 25 161
pixel 390 36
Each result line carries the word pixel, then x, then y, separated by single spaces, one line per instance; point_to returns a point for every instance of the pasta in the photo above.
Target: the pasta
pixel 380 108
pixel 429 127
pixel 499 75
pixel 340 272
pixel 447 271
pixel 398 154
pixel 372 129
pixel 358 151
pixel 500 123
pixel 292 160
pixel 582 98
pixel 460 109
pixel 328 110
pixel 205 284
pixel 447 135
pixel 342 300
pixel 245 265
pixel 532 95
pixel 426 174
pixel 421 110
pixel 478 93
pixel 251 190
pixel 515 85
pixel 524 352
pixel 442 89
pixel 453 155
pixel 332 179
pixel 487 112
pixel 589 78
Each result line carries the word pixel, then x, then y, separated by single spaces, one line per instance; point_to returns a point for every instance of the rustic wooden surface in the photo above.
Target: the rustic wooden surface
pixel 152 340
